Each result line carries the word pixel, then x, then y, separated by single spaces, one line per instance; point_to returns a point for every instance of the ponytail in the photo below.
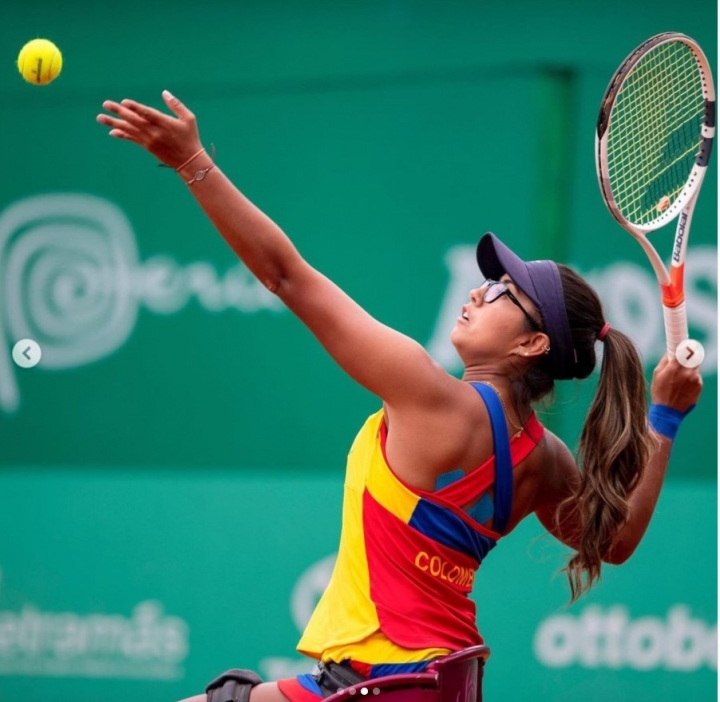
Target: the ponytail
pixel 615 445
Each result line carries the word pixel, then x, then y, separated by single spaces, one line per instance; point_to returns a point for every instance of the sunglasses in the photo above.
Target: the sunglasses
pixel 496 289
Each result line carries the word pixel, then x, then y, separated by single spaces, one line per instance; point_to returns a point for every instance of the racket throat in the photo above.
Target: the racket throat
pixel 673 296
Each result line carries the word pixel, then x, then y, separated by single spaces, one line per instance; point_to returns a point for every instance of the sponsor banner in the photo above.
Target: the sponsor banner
pixel 608 637
pixel 73 281
pixel 146 644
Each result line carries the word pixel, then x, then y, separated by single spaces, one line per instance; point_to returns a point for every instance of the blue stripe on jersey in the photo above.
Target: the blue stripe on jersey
pixel 310 684
pixel 482 510
pixel 440 524
pixel 377 671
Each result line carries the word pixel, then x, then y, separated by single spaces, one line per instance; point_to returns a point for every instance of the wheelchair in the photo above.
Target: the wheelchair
pixel 453 678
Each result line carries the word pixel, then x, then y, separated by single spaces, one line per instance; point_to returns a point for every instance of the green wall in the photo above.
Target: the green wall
pixel 179 410
pixel 158 584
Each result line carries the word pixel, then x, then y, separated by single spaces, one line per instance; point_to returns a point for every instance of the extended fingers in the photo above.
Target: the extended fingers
pixel 119 127
pixel 128 111
pixel 176 106
pixel 170 138
pixel 144 112
pixel 109 121
pixel 126 122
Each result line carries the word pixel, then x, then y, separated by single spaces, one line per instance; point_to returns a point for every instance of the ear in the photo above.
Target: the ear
pixel 534 345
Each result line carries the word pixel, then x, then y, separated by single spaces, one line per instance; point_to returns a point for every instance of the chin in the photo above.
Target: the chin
pixel 454 337
pixel 457 344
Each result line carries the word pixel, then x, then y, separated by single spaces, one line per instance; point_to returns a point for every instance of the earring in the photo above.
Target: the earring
pixel 546 349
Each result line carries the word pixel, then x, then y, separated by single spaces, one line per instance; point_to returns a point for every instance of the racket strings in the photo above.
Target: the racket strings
pixel 651 126
pixel 680 144
pixel 645 128
pixel 655 131
pixel 648 129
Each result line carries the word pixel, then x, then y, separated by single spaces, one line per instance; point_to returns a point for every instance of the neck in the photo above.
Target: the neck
pixel 499 380
pixel 503 386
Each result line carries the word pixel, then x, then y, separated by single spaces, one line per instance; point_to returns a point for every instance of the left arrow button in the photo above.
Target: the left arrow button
pixel 26 353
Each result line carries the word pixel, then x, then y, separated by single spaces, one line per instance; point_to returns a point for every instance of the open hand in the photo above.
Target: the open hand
pixel 171 139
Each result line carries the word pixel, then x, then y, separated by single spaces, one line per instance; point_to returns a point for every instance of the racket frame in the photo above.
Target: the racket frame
pixel 672 281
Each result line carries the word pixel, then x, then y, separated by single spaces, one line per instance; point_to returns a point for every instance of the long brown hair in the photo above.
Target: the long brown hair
pixel 615 442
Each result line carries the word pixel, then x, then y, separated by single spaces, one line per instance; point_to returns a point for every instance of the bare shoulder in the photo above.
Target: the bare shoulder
pixel 447 400
pixel 430 438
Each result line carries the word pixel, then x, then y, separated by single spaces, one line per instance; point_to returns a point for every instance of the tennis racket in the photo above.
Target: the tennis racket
pixel 653 142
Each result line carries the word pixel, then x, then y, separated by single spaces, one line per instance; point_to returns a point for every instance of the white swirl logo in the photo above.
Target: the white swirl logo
pixel 65 268
pixel 70 279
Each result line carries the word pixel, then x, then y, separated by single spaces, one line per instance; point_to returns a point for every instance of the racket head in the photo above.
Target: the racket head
pixel 655 131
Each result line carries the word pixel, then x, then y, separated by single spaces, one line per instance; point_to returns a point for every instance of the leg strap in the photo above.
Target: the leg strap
pixel 232 686
pixel 332 677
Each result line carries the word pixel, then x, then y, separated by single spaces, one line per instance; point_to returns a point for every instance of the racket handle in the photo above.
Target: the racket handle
pixel 676 327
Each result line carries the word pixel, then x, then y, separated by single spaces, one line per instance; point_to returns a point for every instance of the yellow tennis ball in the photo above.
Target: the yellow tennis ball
pixel 39 61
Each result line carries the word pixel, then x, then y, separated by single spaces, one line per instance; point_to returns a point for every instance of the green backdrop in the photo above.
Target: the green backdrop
pixel 171 469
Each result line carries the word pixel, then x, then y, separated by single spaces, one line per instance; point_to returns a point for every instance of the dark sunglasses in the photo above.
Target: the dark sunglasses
pixel 496 289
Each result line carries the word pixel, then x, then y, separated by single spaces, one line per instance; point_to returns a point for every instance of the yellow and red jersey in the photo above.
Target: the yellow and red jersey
pixel 406 564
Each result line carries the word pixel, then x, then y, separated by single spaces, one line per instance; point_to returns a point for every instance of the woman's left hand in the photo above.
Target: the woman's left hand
pixel 172 140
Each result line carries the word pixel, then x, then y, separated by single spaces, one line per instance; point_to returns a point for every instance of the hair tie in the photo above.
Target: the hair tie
pixel 603 332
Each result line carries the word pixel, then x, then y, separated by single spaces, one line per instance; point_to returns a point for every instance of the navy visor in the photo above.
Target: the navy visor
pixel 540 281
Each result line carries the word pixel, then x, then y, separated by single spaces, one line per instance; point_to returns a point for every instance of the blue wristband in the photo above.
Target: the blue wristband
pixel 666 420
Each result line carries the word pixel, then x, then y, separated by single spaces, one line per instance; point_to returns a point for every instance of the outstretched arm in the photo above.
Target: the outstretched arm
pixel 384 361
pixel 672 386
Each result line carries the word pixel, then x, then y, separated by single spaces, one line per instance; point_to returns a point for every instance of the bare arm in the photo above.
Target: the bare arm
pixel 672 386
pixel 386 362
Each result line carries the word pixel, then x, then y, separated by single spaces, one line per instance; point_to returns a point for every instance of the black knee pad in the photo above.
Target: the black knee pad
pixel 232 686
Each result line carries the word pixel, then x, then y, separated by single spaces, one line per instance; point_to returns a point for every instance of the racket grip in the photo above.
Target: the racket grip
pixel 676 327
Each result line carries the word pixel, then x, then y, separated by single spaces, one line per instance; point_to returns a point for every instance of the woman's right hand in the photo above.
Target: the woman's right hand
pixel 674 385
pixel 171 139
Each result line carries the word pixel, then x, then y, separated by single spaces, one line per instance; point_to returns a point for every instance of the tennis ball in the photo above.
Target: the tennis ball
pixel 39 61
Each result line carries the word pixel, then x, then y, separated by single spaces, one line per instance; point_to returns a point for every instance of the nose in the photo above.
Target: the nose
pixel 476 295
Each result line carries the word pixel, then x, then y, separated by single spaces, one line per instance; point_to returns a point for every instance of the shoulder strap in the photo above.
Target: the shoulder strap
pixel 503 463
pixel 467 487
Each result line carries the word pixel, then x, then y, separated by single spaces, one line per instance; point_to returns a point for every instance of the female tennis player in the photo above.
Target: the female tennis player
pixel 447 466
